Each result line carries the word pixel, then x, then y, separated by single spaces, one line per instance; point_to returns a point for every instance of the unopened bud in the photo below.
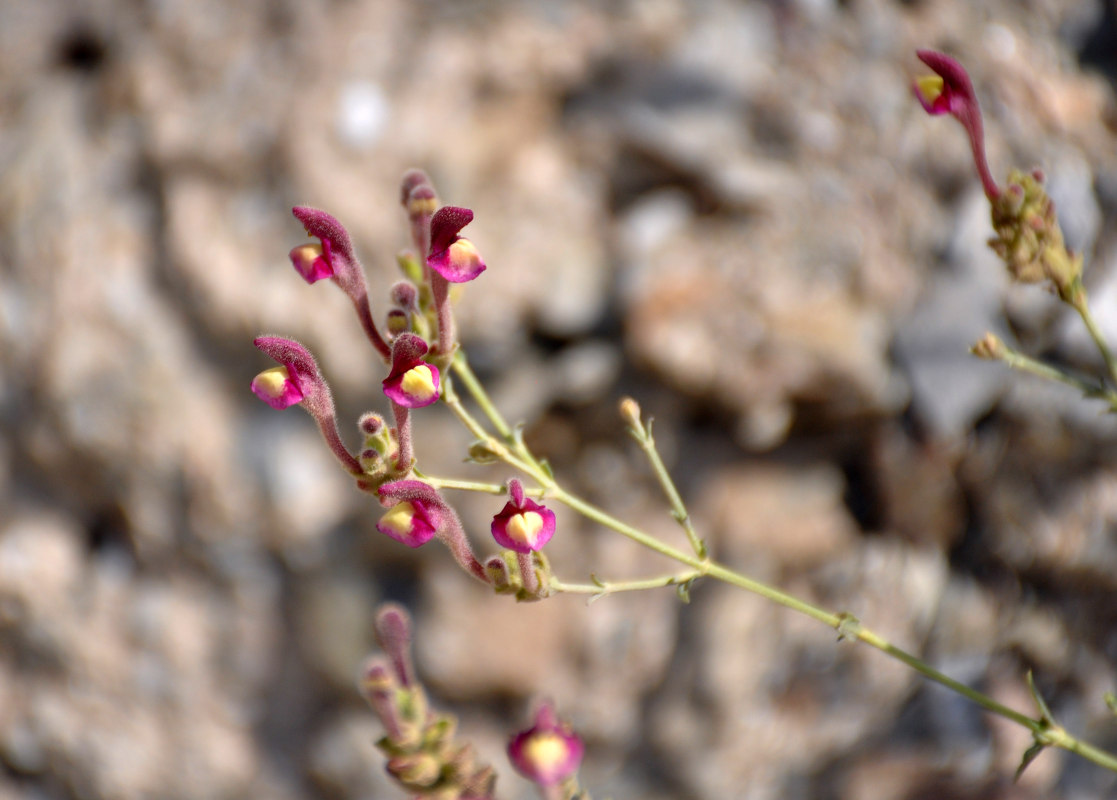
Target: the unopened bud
pixel 417 771
pixel 398 322
pixel 371 423
pixel 630 412
pixel 989 346
pixel 405 295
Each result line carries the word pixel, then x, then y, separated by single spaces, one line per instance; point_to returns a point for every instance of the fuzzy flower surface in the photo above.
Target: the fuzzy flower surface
pixel 412 383
pixel 547 753
pixel 523 525
pixel 950 91
pixel 453 257
pixel 415 512
pixel 296 380
pixel 409 523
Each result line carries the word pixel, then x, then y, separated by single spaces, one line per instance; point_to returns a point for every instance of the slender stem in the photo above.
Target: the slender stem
pixel 527 573
pixel 440 291
pixel 846 625
pixel 642 433
pixel 403 436
pixel 328 427
pixel 477 391
pixel 364 313
pixel 602 588
pixel 1025 363
pixel 1083 309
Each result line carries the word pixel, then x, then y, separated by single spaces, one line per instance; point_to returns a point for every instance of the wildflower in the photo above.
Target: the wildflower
pixel 950 91
pixel 412 383
pixel 335 258
pixel 409 523
pixel 298 381
pixel 452 256
pixel 549 752
pixel 415 515
pixel 277 387
pixel 523 525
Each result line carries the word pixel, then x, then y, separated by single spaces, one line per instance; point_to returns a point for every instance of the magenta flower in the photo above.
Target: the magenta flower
pixel 412 383
pixel 950 91
pixel 415 514
pixel 547 753
pixel 277 387
pixel 335 258
pixel 409 522
pixel 452 256
pixel 296 380
pixel 523 525
pixel 312 261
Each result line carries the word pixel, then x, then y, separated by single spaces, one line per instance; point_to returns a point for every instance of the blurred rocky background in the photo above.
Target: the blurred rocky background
pixel 734 211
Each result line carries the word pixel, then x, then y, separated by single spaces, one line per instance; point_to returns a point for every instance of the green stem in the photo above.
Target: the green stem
pixel 601 588
pixel 480 396
pixel 1083 308
pixel 846 625
pixel 643 435
pixel 1025 363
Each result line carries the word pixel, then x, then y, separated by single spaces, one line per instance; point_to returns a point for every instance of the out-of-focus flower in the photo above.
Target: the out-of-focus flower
pixel 950 91
pixel 549 752
pixel 452 256
pixel 523 525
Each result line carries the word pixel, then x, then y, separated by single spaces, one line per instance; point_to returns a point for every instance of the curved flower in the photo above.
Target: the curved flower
pixel 452 256
pixel 410 522
pixel 523 525
pixel 296 380
pixel 412 383
pixel 547 753
pixel 950 91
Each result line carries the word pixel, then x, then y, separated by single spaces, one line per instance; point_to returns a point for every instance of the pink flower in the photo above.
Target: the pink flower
pixel 409 522
pixel 415 514
pixel 296 380
pixel 277 387
pixel 412 383
pixel 547 753
pixel 452 256
pixel 334 257
pixel 523 525
pixel 312 261
pixel 950 91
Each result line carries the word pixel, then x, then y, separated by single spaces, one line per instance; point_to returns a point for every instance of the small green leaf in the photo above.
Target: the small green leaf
pixel 683 591
pixel 1029 756
pixel 1041 704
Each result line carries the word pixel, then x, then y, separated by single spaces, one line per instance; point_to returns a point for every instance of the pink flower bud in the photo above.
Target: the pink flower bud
pixel 547 753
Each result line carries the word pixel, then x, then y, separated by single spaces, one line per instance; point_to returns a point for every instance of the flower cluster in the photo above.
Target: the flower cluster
pixel 418 345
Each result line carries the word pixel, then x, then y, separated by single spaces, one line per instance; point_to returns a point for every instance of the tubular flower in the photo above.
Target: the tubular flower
pixel 950 91
pixel 549 752
pixel 412 383
pixel 452 256
pixel 523 525
pixel 312 261
pixel 277 387
pixel 297 380
pixel 409 522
